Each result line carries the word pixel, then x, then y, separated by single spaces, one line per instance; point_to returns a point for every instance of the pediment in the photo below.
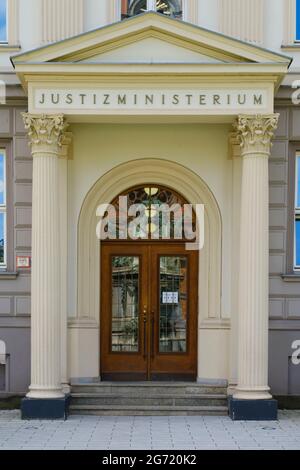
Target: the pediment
pixel 150 50
pixel 150 38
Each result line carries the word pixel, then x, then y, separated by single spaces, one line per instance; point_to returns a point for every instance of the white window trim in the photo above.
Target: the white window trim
pixel 3 210
pixel 12 24
pixel 297 209
pixel 289 36
pixel 189 10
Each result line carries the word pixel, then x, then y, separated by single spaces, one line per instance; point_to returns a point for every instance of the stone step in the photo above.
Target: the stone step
pixel 148 388
pixel 154 400
pixel 134 410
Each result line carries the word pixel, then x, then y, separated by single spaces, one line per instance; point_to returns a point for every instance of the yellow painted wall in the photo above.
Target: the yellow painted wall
pixel 203 148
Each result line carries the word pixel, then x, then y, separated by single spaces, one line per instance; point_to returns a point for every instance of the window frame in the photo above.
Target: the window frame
pixel 151 6
pixel 296 209
pixel 3 207
pixel 6 41
pixel 297 21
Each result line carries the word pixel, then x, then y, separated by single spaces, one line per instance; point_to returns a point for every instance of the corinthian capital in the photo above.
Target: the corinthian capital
pixel 45 132
pixel 255 133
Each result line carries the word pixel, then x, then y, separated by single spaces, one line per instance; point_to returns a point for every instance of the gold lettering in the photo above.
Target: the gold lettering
pixel 202 100
pixel 217 99
pixel 69 98
pixel 175 99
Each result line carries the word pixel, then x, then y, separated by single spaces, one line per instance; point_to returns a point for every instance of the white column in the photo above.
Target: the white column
pixel 255 133
pixel 235 243
pixel 63 214
pixel 45 134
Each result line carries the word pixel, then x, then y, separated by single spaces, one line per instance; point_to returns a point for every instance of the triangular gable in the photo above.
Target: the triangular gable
pixel 200 44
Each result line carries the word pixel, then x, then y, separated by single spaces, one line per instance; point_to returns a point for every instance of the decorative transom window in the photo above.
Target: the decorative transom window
pixel 161 213
pixel 2 209
pixel 3 21
pixel 297 215
pixel 171 8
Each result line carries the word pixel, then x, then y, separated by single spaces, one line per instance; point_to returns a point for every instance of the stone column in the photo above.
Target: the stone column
pixel 252 395
pixel 45 134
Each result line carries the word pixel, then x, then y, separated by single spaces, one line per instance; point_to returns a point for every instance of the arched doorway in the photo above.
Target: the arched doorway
pixel 149 288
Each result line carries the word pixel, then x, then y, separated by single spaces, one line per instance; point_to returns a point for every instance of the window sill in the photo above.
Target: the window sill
pixel 7 276
pixel 9 48
pixel 291 47
pixel 291 277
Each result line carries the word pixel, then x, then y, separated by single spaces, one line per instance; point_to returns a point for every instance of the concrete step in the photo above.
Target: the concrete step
pixel 153 400
pixel 134 410
pixel 148 388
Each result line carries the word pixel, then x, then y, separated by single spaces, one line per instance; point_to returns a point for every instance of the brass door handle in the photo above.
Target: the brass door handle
pixel 145 331
pixel 152 335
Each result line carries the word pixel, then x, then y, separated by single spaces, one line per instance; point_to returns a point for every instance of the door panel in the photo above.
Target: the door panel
pixel 149 299
pixel 174 288
pixel 124 280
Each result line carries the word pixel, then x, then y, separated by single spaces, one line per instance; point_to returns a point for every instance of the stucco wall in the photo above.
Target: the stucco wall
pixel 200 147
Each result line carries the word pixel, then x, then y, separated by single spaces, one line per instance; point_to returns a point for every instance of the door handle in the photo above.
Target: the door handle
pixel 152 334
pixel 145 331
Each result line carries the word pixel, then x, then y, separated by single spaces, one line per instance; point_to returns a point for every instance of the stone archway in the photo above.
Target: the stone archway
pixel 132 173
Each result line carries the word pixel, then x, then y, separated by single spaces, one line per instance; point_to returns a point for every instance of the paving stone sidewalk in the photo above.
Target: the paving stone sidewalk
pixel 149 433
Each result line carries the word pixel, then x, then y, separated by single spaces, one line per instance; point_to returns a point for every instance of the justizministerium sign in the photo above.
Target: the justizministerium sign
pixel 108 100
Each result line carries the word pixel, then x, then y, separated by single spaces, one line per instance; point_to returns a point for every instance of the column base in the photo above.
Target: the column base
pixel 45 408
pixel 253 410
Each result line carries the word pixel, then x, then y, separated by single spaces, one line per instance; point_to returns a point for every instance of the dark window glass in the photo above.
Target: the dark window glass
pixel 173 304
pixel 171 8
pixel 125 304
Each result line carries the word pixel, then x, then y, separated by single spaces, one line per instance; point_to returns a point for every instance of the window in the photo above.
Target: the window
pixel 170 8
pixel 297 20
pixel 2 209
pixel 3 21
pixel 297 215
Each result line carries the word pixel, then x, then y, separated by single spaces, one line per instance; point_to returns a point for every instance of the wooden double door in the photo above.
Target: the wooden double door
pixel 148 324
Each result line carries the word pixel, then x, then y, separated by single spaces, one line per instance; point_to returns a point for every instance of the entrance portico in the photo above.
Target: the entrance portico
pixel 194 77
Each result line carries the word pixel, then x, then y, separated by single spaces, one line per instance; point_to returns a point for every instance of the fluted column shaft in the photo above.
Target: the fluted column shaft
pixel 255 133
pixel 45 133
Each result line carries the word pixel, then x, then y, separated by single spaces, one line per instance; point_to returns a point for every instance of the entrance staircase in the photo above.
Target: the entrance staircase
pixel 148 399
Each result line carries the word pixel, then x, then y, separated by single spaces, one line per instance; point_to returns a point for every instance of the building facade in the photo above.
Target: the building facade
pixel 191 102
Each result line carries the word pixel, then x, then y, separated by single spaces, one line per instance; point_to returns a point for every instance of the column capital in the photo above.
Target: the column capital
pixel 255 132
pixel 45 132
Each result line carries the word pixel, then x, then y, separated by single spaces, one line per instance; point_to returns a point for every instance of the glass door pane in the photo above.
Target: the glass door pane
pixel 173 304
pixel 125 304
